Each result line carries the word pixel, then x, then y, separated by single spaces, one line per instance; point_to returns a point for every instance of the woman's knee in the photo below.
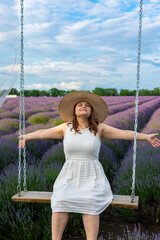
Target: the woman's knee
pixel 91 225
pixel 59 222
pixel 59 219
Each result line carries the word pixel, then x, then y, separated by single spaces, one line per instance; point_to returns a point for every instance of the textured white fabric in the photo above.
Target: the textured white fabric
pixel 81 185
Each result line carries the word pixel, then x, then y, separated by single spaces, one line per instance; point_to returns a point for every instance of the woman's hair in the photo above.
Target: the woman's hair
pixel 92 121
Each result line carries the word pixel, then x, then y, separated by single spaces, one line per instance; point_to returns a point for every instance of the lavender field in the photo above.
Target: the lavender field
pixel 45 159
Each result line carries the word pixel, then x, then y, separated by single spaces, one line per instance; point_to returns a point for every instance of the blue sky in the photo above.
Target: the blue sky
pixel 80 44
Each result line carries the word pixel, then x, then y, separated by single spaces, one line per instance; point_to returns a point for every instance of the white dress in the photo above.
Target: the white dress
pixel 81 185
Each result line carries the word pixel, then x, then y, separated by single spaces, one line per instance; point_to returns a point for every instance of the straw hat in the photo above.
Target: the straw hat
pixel 66 105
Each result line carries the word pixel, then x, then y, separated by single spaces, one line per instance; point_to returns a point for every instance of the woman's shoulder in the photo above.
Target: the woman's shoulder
pixel 100 126
pixel 65 125
pixel 69 124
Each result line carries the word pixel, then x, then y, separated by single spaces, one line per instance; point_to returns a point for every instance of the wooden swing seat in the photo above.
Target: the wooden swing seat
pixel 122 201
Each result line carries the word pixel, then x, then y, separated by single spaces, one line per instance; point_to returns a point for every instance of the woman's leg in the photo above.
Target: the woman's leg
pixel 59 222
pixel 91 226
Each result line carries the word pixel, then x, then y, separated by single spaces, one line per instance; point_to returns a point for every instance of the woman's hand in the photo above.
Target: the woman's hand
pixel 21 141
pixel 155 142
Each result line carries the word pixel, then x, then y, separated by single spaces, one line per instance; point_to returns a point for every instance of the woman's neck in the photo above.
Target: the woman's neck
pixel 82 123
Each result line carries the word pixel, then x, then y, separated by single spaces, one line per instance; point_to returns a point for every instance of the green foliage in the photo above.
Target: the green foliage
pixel 145 92
pixel 126 92
pixel 13 123
pixel 5 129
pixel 27 93
pixel 2 110
pixel 105 92
pixel 50 175
pixel 54 92
pixel 44 93
pixel 40 118
pixel 56 121
pixel 71 91
pixel 35 93
pixel 150 212
pixel 13 91
pixel 131 215
pixel 156 91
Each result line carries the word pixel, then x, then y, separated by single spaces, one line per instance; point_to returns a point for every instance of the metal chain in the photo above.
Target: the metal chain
pixel 136 102
pixel 22 111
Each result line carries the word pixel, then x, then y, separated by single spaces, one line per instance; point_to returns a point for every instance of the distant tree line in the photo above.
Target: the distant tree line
pixel 54 92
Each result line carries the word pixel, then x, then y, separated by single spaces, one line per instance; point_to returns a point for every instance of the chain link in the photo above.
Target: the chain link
pixel 136 102
pixel 22 111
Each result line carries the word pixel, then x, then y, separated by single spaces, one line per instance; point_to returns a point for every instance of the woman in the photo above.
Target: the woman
pixel 82 185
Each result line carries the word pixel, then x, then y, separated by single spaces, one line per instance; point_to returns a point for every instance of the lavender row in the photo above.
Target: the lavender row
pixel 21 216
pixel 43 103
pixel 16 219
pixel 35 105
pixel 37 116
pixel 147 173
pixel 119 147
pixel 35 149
pixel 125 120
pixel 145 111
pixel 40 177
pixel 44 117
pixel 19 220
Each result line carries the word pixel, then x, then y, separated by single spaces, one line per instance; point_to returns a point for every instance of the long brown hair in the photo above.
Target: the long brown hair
pixel 92 121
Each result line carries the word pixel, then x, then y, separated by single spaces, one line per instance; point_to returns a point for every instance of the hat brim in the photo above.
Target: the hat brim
pixel 66 105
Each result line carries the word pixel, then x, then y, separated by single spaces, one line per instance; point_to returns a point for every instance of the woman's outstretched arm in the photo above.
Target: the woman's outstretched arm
pixel 55 132
pixel 109 132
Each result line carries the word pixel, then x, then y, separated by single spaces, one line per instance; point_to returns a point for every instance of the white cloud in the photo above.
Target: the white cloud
pixel 62 85
pixel 36 86
pixel 67 43
pixel 152 59
pixel 128 59
pixel 35 29
pixel 108 49
pixel 4 36
pixel 69 85
pixel 49 68
pixel 10 68
pixel 70 32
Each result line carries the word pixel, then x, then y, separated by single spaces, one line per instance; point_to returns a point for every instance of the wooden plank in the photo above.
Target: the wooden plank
pixel 122 201
pixel 33 196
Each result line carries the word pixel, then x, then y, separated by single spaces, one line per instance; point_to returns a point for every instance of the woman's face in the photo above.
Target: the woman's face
pixel 83 109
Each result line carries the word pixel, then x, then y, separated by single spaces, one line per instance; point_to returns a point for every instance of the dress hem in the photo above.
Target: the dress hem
pixel 85 212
